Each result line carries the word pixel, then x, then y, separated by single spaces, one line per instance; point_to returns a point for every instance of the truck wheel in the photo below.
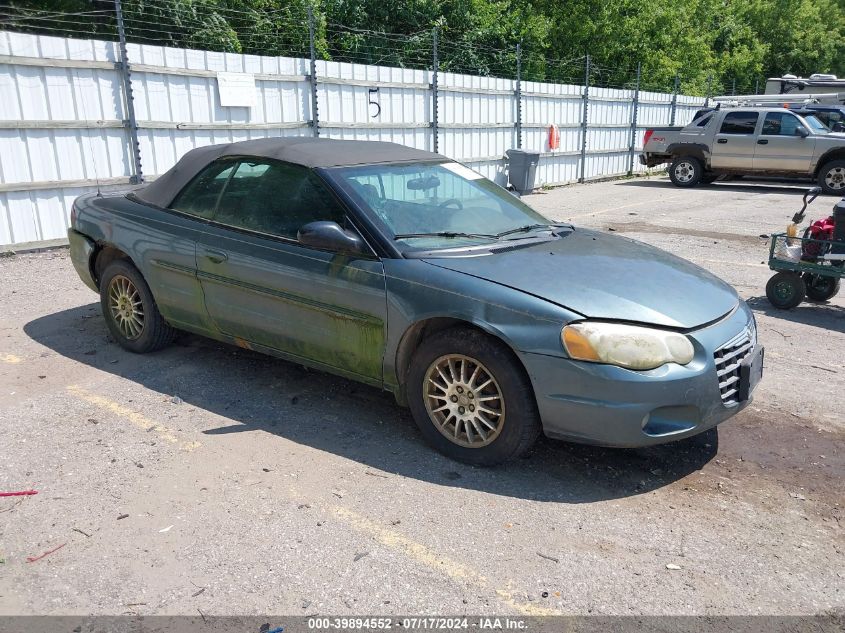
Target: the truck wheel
pixel 471 399
pixel 819 287
pixel 686 171
pixel 130 311
pixel 785 290
pixel 832 177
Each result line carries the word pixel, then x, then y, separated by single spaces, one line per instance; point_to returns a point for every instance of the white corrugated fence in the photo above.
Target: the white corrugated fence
pixel 64 126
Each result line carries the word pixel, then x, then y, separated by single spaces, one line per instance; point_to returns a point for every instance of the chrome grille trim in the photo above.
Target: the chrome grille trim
pixel 728 359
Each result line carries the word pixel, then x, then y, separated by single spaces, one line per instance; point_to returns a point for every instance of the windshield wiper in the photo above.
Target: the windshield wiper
pixel 531 227
pixel 450 234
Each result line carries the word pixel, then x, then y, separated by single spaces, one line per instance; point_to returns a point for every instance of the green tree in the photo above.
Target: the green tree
pixel 723 42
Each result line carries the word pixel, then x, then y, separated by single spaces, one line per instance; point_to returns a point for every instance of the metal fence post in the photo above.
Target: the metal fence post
pixel 636 105
pixel 131 123
pixel 518 94
pixel 584 119
pixel 315 116
pixel 757 86
pixel 675 89
pixel 435 69
pixel 709 91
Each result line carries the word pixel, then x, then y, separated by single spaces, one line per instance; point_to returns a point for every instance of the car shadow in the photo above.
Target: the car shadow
pixel 745 186
pixel 255 392
pixel 825 316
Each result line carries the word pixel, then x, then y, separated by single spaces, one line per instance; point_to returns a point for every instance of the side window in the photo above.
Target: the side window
pixel 703 121
pixel 739 123
pixel 276 198
pixel 200 196
pixel 781 124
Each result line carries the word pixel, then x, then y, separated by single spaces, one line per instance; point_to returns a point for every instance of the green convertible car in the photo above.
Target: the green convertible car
pixel 408 271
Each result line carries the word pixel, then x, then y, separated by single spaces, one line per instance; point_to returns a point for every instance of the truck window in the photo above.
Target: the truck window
pixel 739 123
pixel 780 124
pixel 703 121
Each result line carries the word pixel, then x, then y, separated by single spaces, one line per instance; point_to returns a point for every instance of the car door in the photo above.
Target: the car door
pixel 734 142
pixel 169 248
pixel 262 287
pixel 784 144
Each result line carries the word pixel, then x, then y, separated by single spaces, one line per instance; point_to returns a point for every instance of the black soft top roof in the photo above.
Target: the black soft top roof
pixel 300 150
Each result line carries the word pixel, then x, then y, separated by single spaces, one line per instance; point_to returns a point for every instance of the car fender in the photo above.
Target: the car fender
pixel 696 150
pixel 834 153
pixel 418 292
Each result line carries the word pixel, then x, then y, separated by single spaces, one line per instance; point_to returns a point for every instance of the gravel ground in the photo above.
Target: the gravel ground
pixel 209 478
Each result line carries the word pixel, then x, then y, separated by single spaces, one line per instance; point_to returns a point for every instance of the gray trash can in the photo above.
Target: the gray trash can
pixel 522 169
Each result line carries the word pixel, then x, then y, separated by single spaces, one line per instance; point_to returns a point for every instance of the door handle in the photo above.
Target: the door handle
pixel 763 141
pixel 218 257
pixel 722 140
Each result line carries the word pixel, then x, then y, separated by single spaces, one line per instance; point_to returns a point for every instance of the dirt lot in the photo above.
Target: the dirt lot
pixel 209 478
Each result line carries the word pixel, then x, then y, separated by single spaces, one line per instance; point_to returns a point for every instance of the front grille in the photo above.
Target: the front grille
pixel 728 359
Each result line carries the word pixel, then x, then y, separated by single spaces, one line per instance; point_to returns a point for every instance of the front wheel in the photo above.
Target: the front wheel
pixel 130 311
pixel 819 287
pixel 686 171
pixel 785 290
pixel 471 399
pixel 832 178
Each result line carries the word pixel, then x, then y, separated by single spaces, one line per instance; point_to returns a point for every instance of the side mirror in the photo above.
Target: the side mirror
pixel 330 236
pixel 802 132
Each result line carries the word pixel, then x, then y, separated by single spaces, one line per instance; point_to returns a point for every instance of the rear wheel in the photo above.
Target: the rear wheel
pixel 820 288
pixel 471 399
pixel 130 311
pixel 832 177
pixel 785 290
pixel 686 171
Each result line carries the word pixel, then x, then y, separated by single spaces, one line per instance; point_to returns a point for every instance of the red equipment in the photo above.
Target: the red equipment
pixel 818 230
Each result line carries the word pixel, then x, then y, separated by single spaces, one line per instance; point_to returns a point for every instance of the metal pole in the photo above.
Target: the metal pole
pixel 584 119
pixel 675 89
pixel 519 96
pixel 131 123
pixel 315 116
pixel 435 68
pixel 634 114
pixel 757 86
pixel 709 91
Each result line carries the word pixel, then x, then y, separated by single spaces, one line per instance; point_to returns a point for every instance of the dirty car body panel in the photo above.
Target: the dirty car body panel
pixel 361 314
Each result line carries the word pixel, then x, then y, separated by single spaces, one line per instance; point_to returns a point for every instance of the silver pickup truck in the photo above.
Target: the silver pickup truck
pixel 748 141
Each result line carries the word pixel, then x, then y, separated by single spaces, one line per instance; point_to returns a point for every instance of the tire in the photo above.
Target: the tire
pixel 491 374
pixel 708 178
pixel 831 178
pixel 130 311
pixel 785 290
pixel 686 171
pixel 820 288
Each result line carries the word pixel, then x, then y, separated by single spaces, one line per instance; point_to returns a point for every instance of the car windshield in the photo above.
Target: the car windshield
pixel 816 124
pixel 439 205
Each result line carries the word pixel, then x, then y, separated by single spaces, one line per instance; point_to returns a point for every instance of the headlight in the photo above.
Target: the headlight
pixel 627 346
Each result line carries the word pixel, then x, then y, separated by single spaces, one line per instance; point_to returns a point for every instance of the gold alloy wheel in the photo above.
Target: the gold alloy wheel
pixel 126 307
pixel 464 401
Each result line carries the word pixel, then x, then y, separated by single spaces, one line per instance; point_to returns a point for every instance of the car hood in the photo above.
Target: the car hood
pixel 606 277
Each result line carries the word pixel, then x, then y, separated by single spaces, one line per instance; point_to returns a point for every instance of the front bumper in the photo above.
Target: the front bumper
pixel 610 406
